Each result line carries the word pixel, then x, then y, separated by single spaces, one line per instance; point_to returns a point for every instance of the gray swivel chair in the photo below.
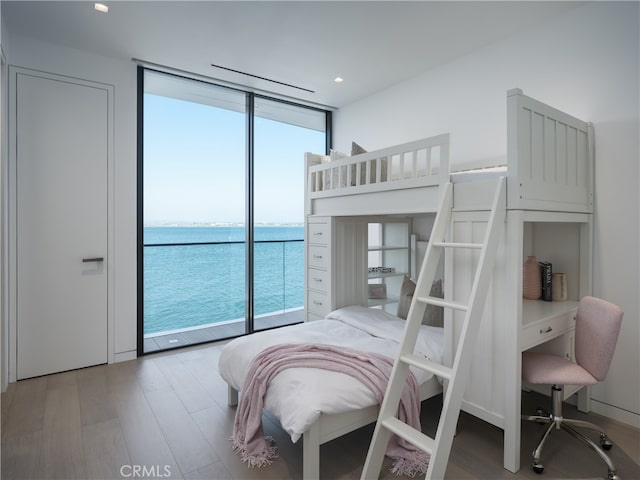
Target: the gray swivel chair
pixel 597 328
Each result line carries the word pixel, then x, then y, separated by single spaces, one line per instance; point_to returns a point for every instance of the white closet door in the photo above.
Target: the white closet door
pixel 62 154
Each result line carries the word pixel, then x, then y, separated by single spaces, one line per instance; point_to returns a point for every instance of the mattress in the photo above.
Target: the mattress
pixel 298 396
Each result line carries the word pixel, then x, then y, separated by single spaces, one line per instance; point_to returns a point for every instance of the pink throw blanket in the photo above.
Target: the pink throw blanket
pixel 372 369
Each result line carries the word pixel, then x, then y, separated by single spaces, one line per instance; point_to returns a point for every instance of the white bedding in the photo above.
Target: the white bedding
pixel 298 396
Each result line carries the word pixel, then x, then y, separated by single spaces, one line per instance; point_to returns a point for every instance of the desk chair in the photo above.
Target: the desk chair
pixel 597 327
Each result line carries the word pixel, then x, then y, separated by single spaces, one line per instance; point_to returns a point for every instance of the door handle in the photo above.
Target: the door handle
pixel 93 259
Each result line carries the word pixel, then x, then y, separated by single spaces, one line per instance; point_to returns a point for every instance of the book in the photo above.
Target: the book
pixel 546 274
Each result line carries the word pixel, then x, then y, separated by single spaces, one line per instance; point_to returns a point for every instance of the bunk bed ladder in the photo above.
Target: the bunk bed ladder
pixel 455 377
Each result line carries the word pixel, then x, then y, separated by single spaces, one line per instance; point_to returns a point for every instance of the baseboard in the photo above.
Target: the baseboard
pixel 125 356
pixel 624 416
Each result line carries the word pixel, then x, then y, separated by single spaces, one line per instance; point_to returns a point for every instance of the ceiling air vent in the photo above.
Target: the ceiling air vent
pixel 263 78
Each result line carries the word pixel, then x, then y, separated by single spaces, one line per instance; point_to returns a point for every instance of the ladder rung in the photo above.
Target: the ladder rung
pixel 427 365
pixel 458 245
pixel 439 302
pixel 410 434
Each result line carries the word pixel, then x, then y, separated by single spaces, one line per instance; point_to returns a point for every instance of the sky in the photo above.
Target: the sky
pixel 194 165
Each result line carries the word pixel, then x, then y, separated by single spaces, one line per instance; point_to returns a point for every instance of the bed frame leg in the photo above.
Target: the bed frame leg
pixel 232 396
pixel 311 453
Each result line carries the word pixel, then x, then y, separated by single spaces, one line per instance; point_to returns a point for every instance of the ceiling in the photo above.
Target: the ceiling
pixel 296 48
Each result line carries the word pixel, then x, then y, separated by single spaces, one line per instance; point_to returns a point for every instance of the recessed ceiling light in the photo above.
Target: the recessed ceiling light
pixel 101 7
pixel 338 79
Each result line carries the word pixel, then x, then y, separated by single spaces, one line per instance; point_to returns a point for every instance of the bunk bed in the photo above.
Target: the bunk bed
pixel 549 170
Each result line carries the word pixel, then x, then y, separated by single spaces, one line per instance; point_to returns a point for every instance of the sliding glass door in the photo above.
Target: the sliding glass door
pixel 221 215
pixel 194 174
pixel 282 133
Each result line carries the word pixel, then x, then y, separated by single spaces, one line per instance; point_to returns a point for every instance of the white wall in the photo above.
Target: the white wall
pixel 584 62
pixel 28 53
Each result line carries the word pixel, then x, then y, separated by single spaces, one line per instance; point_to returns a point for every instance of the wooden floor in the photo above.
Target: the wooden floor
pixel 165 416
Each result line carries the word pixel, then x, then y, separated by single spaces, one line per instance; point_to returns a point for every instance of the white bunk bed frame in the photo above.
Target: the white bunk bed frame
pixel 550 179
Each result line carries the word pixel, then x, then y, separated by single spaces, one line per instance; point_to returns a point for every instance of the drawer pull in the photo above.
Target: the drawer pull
pixel 316 302
pixel 318 257
pixel 317 234
pixel 548 330
pixel 316 279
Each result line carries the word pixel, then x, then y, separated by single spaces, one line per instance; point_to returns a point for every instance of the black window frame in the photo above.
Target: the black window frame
pixel 250 97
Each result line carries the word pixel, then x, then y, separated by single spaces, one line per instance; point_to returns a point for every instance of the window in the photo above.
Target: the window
pixel 282 133
pixel 221 210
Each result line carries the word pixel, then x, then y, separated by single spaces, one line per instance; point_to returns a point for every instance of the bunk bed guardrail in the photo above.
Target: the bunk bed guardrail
pixel 420 163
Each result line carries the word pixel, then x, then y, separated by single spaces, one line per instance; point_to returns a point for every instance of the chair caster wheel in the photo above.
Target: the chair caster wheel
pixel 537 467
pixel 605 443
pixel 612 476
pixel 541 413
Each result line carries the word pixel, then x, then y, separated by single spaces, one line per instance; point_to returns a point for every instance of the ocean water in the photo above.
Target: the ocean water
pixel 193 285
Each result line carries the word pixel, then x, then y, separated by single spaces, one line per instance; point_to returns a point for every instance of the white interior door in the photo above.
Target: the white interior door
pixel 61 195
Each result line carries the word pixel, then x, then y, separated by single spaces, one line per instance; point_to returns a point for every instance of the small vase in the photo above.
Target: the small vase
pixel 531 281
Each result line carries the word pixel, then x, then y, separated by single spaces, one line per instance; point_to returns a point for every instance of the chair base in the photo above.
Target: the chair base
pixel 557 422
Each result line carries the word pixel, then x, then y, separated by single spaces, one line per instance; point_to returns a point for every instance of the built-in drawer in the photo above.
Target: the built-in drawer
pixel 319 233
pixel 318 280
pixel 318 303
pixel 543 330
pixel 318 256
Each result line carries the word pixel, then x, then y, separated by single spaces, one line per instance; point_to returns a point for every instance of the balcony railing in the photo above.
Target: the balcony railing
pixel 197 284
